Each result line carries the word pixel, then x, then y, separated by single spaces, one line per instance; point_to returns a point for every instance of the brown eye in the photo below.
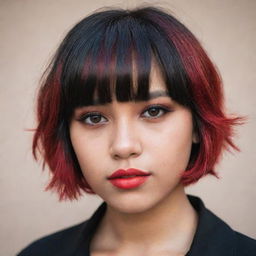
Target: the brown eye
pixel 93 119
pixel 155 112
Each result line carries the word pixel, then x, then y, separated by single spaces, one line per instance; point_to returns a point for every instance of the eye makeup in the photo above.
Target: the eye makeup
pixel 150 112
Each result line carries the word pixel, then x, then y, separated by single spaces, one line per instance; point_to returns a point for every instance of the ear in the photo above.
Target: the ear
pixel 195 138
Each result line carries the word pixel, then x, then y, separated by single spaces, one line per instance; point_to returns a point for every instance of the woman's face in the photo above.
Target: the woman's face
pixel 154 136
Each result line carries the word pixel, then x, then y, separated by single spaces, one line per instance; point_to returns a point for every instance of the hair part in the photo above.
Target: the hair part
pixel 98 58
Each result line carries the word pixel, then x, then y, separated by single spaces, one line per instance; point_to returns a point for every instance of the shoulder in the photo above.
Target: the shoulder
pixel 245 245
pixel 215 237
pixel 74 240
pixel 63 242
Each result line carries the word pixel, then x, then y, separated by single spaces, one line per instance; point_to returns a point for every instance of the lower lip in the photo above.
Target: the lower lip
pixel 128 183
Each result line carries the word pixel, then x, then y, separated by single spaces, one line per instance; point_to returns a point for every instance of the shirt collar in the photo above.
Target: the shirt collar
pixel 213 236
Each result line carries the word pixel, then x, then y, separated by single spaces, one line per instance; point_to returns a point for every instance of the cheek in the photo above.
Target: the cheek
pixel 173 145
pixel 91 162
pixel 88 150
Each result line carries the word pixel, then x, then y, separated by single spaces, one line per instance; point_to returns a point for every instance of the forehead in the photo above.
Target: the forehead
pixel 156 79
pixel 137 81
pixel 157 87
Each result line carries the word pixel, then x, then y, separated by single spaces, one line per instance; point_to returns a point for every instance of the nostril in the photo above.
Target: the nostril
pixel 125 149
pixel 118 156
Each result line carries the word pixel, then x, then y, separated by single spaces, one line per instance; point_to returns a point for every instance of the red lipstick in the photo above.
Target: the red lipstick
pixel 127 179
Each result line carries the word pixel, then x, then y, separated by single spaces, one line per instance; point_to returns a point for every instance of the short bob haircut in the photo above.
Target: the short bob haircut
pixel 97 57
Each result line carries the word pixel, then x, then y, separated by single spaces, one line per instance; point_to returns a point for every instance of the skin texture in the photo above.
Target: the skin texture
pixel 157 216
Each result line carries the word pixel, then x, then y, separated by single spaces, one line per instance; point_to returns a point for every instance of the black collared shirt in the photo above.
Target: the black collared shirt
pixel 213 237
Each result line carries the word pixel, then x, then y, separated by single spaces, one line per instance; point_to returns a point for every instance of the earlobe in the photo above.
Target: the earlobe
pixel 195 138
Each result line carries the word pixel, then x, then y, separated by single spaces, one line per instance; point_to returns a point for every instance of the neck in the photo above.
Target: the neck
pixel 171 224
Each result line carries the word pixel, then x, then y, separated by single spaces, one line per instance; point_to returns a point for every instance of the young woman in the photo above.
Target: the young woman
pixel 131 109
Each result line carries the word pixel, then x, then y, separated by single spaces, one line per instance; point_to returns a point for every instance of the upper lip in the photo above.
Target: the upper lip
pixel 129 172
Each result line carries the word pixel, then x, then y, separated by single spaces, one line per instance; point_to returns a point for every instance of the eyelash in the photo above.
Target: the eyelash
pixel 164 110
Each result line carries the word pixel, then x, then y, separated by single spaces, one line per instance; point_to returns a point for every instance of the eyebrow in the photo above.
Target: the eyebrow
pixel 152 95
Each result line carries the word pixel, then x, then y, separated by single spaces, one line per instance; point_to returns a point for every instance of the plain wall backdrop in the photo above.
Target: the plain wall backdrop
pixel 30 31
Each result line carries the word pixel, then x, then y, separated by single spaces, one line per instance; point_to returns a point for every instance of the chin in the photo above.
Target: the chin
pixel 131 208
pixel 132 204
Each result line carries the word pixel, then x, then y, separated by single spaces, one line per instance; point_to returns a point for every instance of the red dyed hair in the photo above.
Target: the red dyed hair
pixel 106 37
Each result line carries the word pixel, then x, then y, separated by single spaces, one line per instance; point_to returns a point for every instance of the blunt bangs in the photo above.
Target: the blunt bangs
pixel 113 56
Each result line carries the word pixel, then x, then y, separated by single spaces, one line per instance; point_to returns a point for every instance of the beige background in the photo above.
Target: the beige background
pixel 31 30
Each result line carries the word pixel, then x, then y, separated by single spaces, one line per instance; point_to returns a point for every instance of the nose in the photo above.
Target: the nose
pixel 125 141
